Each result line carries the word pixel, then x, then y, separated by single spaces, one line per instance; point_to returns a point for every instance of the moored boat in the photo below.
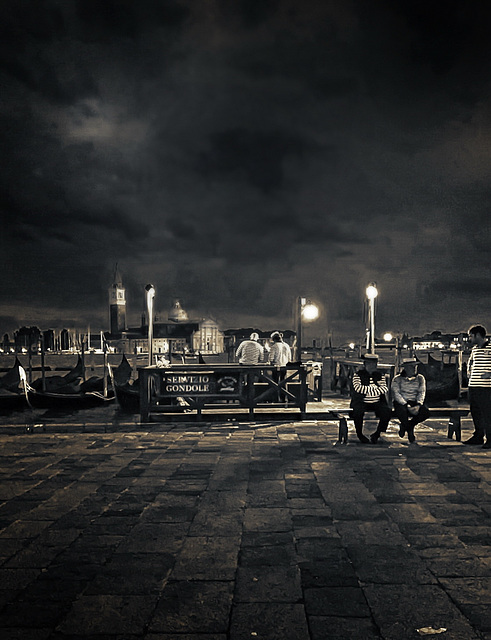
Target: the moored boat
pixel 13 389
pixel 442 379
pixel 12 401
pixel 127 391
pixel 70 391
pixel 79 400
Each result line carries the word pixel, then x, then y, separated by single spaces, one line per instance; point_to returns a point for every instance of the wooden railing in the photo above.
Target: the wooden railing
pixel 230 386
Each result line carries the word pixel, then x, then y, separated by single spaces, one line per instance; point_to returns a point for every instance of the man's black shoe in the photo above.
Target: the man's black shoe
pixel 487 445
pixel 374 437
pixel 474 440
pixel 363 439
pixel 410 437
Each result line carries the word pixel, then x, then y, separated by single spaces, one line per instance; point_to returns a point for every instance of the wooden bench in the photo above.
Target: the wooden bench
pixel 454 414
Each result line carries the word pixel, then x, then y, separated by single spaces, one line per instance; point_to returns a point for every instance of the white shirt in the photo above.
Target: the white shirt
pixel 280 354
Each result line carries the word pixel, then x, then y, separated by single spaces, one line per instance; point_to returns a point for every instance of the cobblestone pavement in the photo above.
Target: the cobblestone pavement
pixel 240 532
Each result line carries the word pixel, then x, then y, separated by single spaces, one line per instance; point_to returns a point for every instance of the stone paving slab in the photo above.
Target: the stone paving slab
pixel 232 532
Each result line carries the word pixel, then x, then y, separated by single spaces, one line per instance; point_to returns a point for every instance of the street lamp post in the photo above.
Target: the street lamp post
pixel 308 311
pixel 372 293
pixel 150 295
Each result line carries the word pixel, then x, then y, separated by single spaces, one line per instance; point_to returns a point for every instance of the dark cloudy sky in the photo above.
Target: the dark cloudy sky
pixel 239 153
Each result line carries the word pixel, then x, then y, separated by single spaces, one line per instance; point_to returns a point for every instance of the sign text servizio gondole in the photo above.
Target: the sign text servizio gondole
pixel 188 383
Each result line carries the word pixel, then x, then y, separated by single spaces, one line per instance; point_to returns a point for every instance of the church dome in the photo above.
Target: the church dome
pixel 177 313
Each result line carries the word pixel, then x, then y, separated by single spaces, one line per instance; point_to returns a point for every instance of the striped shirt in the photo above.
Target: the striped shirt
pixel 280 354
pixel 249 352
pixel 371 391
pixel 480 364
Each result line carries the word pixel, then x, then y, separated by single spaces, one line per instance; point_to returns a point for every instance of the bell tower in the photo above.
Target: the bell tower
pixel 117 305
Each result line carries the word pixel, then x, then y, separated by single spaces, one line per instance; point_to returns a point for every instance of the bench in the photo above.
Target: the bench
pixel 454 414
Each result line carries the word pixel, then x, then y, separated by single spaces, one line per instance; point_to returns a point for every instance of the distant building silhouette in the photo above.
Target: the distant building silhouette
pixel 178 335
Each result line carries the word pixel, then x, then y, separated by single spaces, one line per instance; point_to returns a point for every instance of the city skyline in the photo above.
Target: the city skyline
pixel 240 156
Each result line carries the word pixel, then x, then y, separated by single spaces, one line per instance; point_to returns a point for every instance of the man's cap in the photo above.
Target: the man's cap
pixel 276 334
pixel 409 361
pixel 254 336
pixel 370 356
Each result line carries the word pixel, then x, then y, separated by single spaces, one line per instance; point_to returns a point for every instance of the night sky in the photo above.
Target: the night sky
pixel 240 153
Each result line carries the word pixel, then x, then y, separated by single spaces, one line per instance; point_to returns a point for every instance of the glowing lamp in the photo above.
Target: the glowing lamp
pixel 310 311
pixel 372 291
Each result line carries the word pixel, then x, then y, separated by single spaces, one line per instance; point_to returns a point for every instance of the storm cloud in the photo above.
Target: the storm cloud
pixel 237 155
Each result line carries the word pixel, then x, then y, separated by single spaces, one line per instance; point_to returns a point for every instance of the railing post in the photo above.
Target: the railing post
pixel 250 392
pixel 303 390
pixel 144 395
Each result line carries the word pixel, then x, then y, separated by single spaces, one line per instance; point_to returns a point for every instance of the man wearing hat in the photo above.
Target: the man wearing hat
pixel 408 392
pixel 369 389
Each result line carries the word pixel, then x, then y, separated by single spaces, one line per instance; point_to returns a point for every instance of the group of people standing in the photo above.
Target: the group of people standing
pixel 408 393
pixel 250 352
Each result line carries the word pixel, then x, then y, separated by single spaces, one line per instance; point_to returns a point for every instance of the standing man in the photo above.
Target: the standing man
pixel 279 356
pixel 369 389
pixel 408 392
pixel 479 371
pixel 250 352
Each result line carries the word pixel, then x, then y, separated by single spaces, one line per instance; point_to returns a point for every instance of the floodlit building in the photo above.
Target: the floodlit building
pixel 178 334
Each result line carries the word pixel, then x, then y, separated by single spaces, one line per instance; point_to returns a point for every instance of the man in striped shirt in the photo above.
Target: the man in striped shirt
pixel 479 389
pixel 368 394
pixel 250 351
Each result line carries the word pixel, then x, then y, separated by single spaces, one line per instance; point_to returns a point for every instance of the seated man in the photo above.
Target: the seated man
pixel 369 389
pixel 408 392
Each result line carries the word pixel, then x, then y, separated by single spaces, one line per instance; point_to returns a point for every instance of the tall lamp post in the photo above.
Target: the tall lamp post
pixel 150 295
pixel 372 293
pixel 308 311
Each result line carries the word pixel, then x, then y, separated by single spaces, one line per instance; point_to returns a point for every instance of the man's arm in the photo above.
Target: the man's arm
pixel 396 391
pixel 382 386
pixel 422 390
pixel 358 386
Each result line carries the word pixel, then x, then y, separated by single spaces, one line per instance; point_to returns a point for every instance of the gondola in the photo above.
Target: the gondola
pixel 12 401
pixel 442 379
pixel 12 389
pixel 69 383
pixel 127 391
pixel 79 400
pixel 128 397
pixel 69 391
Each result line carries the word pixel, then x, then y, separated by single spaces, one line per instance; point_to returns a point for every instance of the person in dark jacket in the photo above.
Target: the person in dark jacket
pixel 369 390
